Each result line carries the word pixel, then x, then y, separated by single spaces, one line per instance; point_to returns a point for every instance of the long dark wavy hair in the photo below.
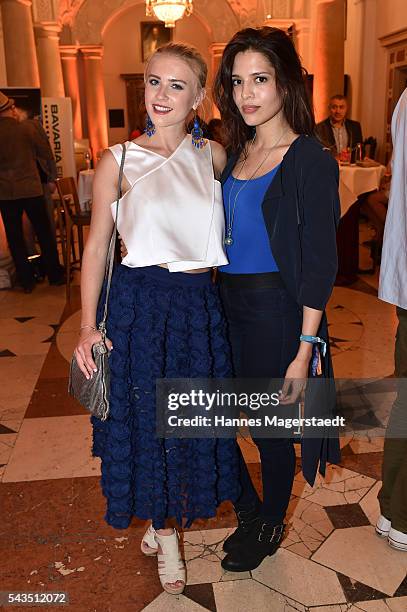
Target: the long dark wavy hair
pixel 277 47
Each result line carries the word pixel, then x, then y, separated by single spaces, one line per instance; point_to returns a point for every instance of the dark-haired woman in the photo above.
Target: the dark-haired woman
pixel 280 191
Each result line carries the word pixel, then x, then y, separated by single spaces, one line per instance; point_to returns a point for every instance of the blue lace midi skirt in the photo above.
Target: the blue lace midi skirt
pixel 170 325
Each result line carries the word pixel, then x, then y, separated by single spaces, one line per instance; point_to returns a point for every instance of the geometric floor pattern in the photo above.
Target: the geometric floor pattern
pixel 54 537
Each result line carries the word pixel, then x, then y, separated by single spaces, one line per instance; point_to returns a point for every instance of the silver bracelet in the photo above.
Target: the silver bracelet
pixel 90 327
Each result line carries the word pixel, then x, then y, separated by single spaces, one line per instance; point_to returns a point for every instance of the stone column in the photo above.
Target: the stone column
pixel 329 54
pixel 19 44
pixel 216 50
pixel 302 40
pixel 95 98
pixel 69 60
pixel 49 60
pixel 355 56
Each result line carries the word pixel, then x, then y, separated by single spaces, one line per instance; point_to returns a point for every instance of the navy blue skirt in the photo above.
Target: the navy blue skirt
pixel 170 325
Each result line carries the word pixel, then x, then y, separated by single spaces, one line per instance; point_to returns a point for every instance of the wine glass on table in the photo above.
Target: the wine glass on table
pixel 88 159
pixel 344 156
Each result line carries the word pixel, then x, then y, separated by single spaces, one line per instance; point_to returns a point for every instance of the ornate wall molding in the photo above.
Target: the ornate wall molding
pixel 45 10
pixel 68 10
pixel 244 10
pixel 223 17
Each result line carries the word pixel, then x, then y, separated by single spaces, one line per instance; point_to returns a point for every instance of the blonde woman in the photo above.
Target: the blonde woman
pixel 164 312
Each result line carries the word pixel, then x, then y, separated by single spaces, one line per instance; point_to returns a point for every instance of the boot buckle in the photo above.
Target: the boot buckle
pixel 275 535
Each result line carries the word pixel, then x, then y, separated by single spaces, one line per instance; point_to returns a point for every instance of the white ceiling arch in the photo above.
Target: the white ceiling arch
pixel 88 18
pixel 128 5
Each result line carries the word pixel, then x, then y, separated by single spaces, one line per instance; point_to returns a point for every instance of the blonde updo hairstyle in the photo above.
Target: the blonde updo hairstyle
pixel 190 55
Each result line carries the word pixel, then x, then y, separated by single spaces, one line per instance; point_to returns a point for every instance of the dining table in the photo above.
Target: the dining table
pixel 354 182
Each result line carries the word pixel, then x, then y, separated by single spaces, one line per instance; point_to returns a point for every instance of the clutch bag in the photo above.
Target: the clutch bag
pixel 92 394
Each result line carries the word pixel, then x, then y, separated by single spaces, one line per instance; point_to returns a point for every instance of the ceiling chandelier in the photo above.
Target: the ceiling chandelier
pixel 169 11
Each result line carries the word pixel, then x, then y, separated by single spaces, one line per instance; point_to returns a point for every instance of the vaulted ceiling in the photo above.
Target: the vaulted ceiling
pixel 244 9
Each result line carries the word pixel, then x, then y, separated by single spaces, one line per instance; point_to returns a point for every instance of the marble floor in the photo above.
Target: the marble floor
pixel 54 538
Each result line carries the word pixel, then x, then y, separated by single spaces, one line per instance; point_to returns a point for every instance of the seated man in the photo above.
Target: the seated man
pixel 336 131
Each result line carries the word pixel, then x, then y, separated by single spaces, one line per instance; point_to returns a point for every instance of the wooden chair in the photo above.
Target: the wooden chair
pixel 70 216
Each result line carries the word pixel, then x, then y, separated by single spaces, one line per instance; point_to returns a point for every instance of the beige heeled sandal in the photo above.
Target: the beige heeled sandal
pixel 149 544
pixel 171 567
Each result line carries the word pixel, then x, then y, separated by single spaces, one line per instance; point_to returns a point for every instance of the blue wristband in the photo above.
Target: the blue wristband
pixel 315 340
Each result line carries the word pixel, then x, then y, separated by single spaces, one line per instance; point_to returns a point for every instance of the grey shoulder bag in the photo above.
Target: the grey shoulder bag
pixel 93 394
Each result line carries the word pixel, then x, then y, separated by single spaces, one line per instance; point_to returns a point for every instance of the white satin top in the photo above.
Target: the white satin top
pixel 173 212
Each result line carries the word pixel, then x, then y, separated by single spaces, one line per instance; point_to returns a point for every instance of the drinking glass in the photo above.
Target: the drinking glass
pixel 344 156
pixel 87 159
pixel 359 152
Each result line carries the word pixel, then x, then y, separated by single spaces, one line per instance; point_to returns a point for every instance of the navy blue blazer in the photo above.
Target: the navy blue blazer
pixel 301 211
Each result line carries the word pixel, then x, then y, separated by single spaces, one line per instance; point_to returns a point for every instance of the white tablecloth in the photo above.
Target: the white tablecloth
pixel 85 182
pixel 355 180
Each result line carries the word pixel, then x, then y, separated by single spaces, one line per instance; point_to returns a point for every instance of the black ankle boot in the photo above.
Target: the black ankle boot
pixel 261 541
pixel 246 520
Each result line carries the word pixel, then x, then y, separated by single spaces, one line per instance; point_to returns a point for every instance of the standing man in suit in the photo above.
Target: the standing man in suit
pixel 21 191
pixel 336 131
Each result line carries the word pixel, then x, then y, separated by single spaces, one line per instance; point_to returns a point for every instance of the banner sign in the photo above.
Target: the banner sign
pixel 57 122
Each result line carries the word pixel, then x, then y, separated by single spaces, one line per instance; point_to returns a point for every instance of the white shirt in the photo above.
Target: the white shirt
pixel 393 270
pixel 341 137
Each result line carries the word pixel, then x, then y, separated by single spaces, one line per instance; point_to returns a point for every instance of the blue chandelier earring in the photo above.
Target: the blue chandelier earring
pixel 198 140
pixel 150 127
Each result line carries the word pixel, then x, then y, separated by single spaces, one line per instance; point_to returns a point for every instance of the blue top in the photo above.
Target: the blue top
pixel 250 252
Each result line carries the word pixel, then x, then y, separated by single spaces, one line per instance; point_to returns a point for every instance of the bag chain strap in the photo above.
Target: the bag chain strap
pixel 111 251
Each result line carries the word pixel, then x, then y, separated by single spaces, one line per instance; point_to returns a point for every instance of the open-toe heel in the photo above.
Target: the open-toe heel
pixel 171 567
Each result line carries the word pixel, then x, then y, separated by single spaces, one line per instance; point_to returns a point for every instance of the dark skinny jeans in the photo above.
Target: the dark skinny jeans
pixel 264 328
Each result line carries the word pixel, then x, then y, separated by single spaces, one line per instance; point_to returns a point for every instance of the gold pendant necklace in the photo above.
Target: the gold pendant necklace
pixel 231 211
